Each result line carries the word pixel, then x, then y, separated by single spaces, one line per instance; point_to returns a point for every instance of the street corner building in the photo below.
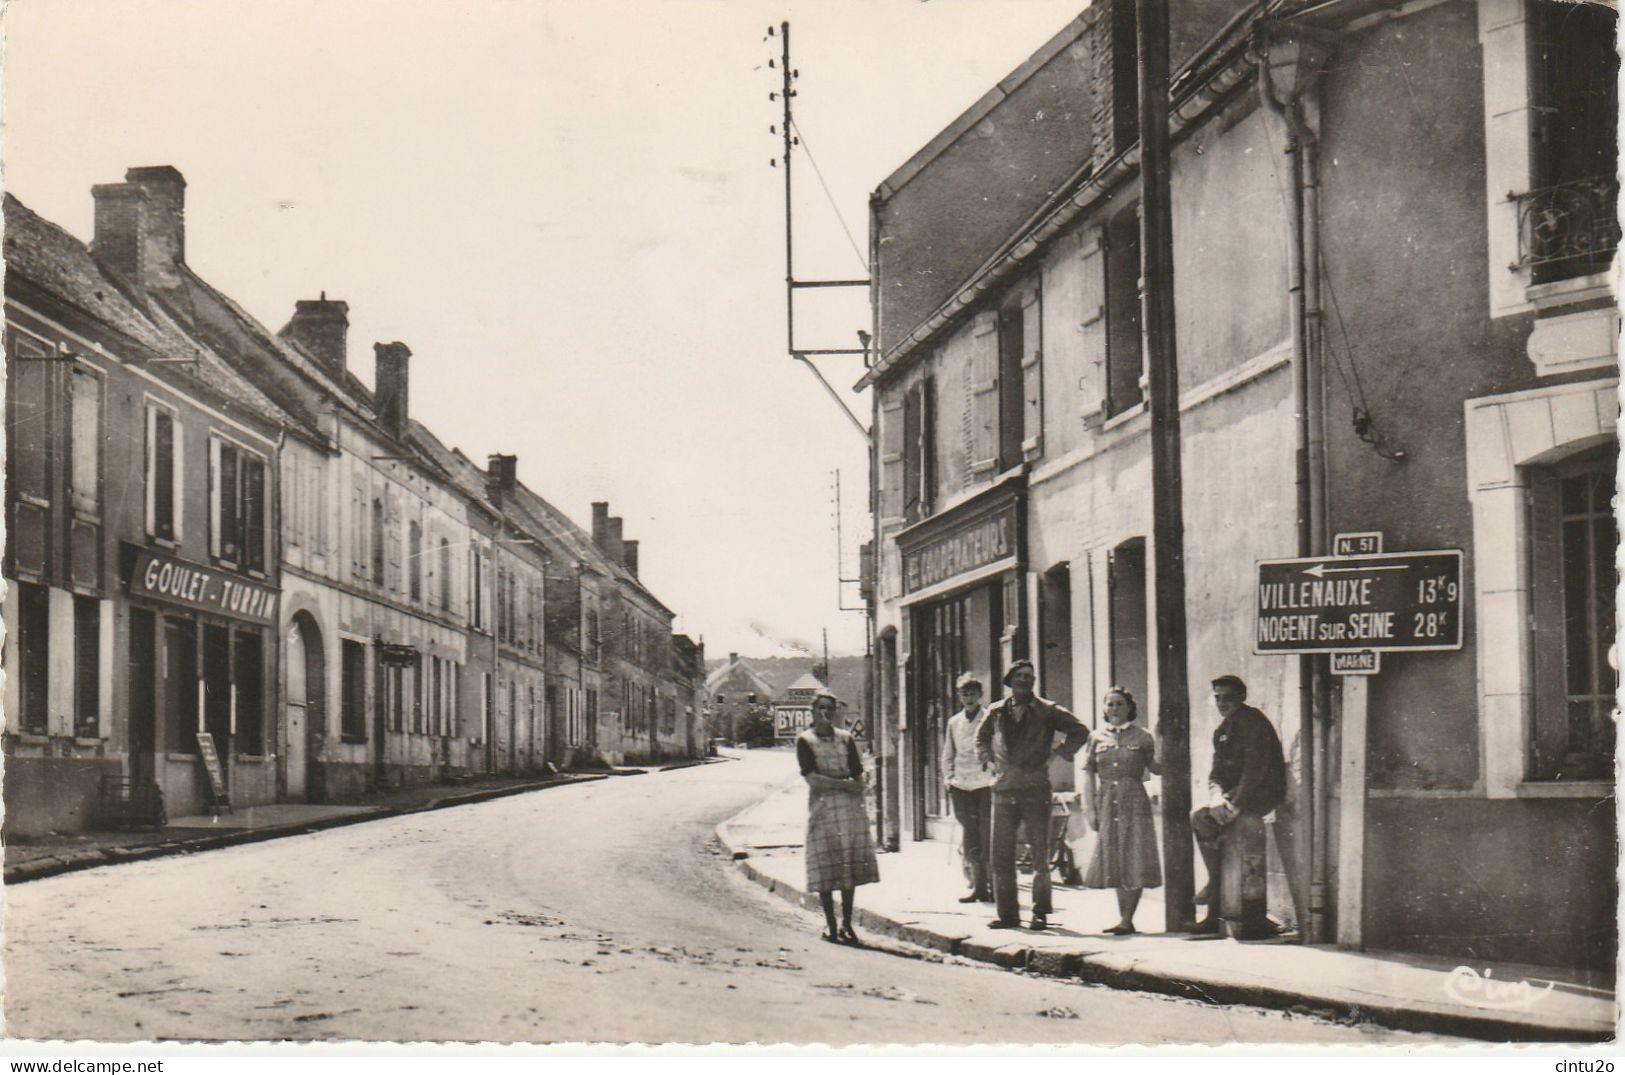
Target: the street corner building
pixel 236 575
pixel 1402 215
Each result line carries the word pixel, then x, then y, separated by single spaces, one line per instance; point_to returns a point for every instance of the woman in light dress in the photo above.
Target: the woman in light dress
pixel 1121 755
pixel 840 849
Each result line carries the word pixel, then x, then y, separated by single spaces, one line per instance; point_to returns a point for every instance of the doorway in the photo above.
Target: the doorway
pixel 143 679
pixel 306 699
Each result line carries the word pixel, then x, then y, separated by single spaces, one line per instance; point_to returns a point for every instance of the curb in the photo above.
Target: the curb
pixel 93 857
pixel 1119 972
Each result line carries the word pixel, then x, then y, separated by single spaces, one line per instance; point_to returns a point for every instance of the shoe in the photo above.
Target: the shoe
pixel 1206 895
pixel 972 898
pixel 999 923
pixel 1120 930
pixel 1040 923
pixel 850 938
pixel 832 938
pixel 1207 927
pixel 986 899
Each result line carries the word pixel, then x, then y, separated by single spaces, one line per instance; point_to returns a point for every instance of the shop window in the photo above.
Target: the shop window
pixel 217 685
pixel 1573 539
pixel 919 444
pixel 237 505
pixel 420 711
pixel 353 691
pixel 414 560
pixel 33 654
pixel 87 655
pixel 1125 351
pixel 85 474
pixel 249 678
pixel 164 437
pixel 181 685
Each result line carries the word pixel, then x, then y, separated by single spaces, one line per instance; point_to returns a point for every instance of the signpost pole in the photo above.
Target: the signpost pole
pixel 1168 524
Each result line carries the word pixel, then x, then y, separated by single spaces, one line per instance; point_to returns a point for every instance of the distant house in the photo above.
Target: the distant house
pixel 738 693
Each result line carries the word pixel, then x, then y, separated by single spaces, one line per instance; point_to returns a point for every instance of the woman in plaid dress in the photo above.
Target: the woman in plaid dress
pixel 840 852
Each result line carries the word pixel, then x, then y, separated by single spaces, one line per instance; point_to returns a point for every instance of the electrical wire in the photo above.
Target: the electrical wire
pixel 827 194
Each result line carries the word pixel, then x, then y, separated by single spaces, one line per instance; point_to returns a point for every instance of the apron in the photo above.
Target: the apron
pixel 840 850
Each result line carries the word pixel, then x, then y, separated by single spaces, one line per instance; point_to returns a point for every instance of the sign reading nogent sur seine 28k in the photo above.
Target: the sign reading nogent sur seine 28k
pixel 987 540
pixel 1330 604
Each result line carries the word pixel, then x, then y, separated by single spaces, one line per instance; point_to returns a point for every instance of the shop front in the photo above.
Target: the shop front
pixel 965 611
pixel 201 650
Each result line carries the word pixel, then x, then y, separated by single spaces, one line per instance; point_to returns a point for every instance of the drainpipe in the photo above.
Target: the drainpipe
pixel 1314 686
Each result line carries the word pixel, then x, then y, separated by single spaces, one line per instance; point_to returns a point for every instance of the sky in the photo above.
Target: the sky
pixel 565 209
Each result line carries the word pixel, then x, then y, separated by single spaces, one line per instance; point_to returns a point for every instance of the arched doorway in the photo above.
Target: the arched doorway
pixel 305 692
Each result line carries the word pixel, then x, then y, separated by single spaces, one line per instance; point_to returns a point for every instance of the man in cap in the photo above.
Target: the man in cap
pixel 970 785
pixel 1017 738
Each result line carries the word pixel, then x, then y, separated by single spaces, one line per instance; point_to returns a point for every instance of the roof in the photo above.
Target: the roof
pixel 60 265
pixel 807 682
pixel 720 677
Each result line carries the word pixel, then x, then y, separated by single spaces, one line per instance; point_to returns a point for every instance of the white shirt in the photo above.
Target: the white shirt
pixel 960 767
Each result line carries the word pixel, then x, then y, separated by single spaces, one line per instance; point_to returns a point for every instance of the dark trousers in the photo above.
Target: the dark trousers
pixel 974 809
pixel 1209 833
pixel 1029 809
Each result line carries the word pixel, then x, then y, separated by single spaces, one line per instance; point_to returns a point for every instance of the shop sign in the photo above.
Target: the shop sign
pixel 982 541
pixel 1382 603
pixel 169 578
pixel 390 653
pixel 790 721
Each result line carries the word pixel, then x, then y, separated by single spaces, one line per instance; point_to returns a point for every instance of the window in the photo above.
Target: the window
pixel 445 575
pixel 1125 352
pixel 594 643
pixel 590 732
pixel 1573 539
pixel 249 679
pixel 1020 379
pixel 1569 224
pixel 85 476
pixel 414 560
pixel 236 505
pixel 181 685
pixel 87 644
pixel 378 540
pixel 29 388
pixel 163 474
pixel 33 652
pixel 353 692
pixel 476 570
pixel 919 455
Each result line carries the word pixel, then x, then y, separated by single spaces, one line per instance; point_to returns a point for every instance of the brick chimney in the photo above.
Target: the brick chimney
pixel 390 385
pixel 322 328
pixel 630 558
pixel 600 523
pixel 733 658
pixel 614 547
pixel 501 475
pixel 141 226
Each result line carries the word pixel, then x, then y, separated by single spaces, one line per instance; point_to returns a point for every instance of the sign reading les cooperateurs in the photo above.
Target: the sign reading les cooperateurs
pixel 986 540
pixel 172 579
pixel 1390 601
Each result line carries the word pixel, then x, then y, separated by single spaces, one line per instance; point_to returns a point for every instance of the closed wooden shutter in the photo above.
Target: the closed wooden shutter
pixel 1092 327
pixel 928 444
pixel 891 459
pixel 984 364
pixel 1032 376
pixel 911 453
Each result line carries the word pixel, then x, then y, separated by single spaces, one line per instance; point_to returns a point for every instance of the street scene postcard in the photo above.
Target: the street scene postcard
pixel 812 524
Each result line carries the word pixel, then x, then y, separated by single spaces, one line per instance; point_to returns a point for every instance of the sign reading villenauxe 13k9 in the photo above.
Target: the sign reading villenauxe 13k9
pixel 1330 604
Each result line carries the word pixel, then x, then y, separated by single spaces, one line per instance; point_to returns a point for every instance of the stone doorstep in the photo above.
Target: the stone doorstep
pixel 1177 973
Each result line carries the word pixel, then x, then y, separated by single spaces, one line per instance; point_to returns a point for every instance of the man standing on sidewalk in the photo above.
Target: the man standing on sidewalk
pixel 1248 778
pixel 970 785
pixel 1017 738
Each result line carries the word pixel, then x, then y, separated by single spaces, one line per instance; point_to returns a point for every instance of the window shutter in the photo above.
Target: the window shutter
pixel 911 453
pixel 1032 376
pixel 928 444
pixel 984 365
pixel 1092 327
pixel 891 459
pixel 152 470
pixel 177 487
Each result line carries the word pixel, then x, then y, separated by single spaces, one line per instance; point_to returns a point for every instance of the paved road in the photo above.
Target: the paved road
pixel 597 912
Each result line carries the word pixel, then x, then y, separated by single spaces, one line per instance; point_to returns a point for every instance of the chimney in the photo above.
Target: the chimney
pixel 501 474
pixel 733 658
pixel 630 548
pixel 121 211
pixel 600 523
pixel 613 546
pixel 141 225
pixel 322 327
pixel 390 384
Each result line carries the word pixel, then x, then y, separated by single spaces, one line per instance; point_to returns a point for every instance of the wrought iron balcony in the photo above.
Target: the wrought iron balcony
pixel 1568 229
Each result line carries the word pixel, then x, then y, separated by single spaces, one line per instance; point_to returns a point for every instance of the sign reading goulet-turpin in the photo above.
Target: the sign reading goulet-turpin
pixel 180 582
pixel 1382 603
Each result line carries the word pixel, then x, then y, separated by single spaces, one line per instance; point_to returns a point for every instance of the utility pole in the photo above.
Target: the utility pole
pixel 1167 508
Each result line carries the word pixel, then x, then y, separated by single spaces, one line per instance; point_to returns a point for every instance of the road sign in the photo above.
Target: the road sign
pixel 1384 603
pixel 1363 543
pixel 1356 662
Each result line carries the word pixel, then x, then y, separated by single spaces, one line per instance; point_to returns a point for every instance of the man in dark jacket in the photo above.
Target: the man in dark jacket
pixel 1248 777
pixel 1017 738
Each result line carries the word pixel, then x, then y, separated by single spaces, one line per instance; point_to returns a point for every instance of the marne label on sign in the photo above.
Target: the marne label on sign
pixel 1390 601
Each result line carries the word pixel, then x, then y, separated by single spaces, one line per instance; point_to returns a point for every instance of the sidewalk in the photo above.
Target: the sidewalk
pixel 45 857
pixel 916 902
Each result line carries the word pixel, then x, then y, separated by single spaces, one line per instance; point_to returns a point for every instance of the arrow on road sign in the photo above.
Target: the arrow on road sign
pixel 1321 569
